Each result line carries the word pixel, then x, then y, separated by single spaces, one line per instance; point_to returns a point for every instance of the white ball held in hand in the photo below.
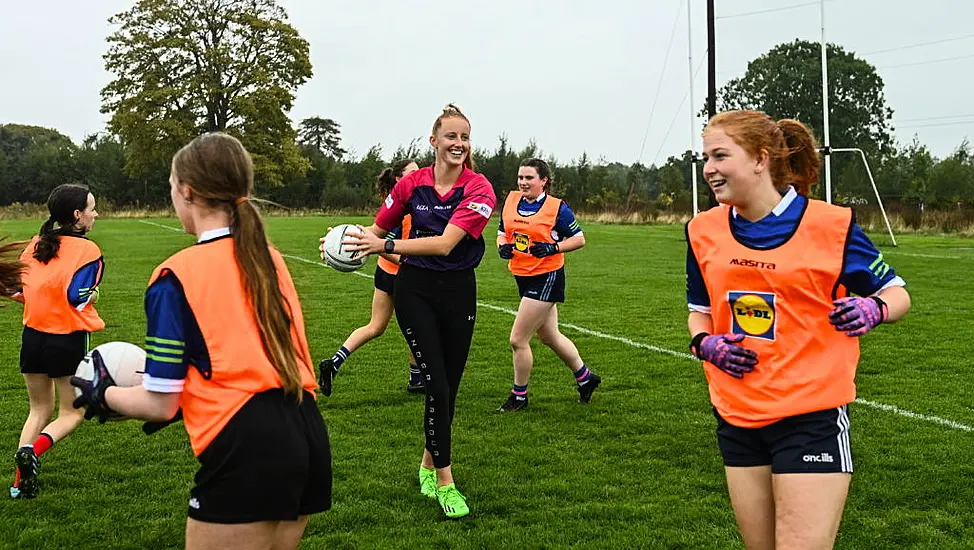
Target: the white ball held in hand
pixel 124 361
pixel 335 253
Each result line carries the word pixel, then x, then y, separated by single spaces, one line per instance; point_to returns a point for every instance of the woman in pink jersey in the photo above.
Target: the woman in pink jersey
pixel 436 289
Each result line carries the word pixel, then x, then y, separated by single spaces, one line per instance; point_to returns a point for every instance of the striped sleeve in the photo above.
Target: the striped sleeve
pixel 166 312
pixel 866 271
pixel 83 288
pixel 566 225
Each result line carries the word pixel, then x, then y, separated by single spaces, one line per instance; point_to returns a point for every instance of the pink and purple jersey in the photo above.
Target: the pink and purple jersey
pixel 468 205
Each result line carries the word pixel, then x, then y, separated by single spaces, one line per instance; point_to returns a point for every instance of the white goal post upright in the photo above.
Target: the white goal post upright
pixel 869 172
pixel 693 114
pixel 826 151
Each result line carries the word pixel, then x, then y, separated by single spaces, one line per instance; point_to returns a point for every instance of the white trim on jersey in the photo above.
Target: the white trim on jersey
pixel 162 385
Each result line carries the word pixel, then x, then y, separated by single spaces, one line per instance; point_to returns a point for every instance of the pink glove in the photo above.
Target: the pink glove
pixel 856 316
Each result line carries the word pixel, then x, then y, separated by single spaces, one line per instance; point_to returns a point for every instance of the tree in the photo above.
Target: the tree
pixel 35 160
pixel 322 135
pixel 186 67
pixel 786 83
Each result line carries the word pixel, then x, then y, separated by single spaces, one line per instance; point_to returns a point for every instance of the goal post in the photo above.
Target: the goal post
pixel 869 172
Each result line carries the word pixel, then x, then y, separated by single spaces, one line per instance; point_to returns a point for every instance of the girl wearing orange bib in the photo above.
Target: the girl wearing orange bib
pixel 226 346
pixel 536 231
pixel 60 286
pixel 383 305
pixel 769 278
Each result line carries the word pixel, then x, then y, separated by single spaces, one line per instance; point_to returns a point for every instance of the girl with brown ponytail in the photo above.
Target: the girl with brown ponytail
pixel 780 287
pixel 226 345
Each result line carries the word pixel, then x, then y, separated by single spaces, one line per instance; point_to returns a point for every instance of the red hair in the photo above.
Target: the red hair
pixel 791 147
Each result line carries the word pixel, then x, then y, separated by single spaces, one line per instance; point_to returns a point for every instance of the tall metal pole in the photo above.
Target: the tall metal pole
pixel 711 78
pixel 693 111
pixel 826 151
pixel 711 63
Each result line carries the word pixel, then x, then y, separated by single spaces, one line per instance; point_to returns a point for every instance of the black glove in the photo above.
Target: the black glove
pixel 93 391
pixel 540 250
pixel 506 251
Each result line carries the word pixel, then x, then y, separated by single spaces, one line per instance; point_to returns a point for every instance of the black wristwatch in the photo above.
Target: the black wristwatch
pixel 390 246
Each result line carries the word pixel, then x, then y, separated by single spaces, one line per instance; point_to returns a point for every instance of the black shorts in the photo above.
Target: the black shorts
pixel 547 287
pixel 55 355
pixel 271 462
pixel 815 442
pixel 384 281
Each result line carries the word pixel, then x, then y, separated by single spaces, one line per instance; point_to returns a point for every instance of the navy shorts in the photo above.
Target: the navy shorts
pixel 815 442
pixel 384 281
pixel 547 287
pixel 271 462
pixel 55 355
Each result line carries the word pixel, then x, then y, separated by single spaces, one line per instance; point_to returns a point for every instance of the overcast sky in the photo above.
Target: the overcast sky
pixel 574 75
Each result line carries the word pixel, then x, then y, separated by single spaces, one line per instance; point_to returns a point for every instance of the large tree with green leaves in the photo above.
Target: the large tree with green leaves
pixel 786 82
pixel 185 67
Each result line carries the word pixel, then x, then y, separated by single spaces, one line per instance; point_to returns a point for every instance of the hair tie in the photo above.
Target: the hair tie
pixel 241 200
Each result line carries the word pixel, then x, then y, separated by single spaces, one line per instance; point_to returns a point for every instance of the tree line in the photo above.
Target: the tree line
pixel 184 67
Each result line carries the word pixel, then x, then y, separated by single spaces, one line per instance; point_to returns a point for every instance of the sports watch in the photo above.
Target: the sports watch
pixel 390 246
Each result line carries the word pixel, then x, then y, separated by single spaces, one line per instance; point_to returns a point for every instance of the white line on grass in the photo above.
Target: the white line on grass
pixel 935 256
pixel 881 406
pixel 169 227
pixel 603 335
pixel 918 416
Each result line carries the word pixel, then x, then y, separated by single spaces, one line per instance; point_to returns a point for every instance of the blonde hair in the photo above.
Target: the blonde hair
pixel 452 111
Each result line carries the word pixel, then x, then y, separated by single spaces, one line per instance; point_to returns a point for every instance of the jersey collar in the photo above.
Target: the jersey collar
pixel 213 234
pixel 782 205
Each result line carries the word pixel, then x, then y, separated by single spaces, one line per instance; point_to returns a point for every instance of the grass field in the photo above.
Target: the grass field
pixel 638 467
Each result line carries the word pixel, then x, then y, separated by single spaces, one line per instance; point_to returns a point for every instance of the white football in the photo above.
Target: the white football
pixel 124 361
pixel 336 255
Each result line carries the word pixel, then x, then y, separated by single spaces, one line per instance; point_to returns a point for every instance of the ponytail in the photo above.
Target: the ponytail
pixel 49 242
pixel 384 182
pixel 801 165
pixel 260 280
pixel 220 171
pixel 11 268
pixel 388 177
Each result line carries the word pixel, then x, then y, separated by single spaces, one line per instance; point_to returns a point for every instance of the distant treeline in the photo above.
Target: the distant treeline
pixel 912 182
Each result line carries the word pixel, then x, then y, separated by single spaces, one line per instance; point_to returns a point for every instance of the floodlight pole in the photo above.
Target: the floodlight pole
pixel 693 115
pixel 826 151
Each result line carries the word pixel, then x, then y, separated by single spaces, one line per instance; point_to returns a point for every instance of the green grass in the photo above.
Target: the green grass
pixel 638 467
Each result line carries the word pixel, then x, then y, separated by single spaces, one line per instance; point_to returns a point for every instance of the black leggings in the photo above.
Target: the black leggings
pixel 436 312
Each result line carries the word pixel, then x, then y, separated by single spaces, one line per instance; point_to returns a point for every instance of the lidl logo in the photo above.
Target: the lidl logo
pixel 521 242
pixel 753 314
